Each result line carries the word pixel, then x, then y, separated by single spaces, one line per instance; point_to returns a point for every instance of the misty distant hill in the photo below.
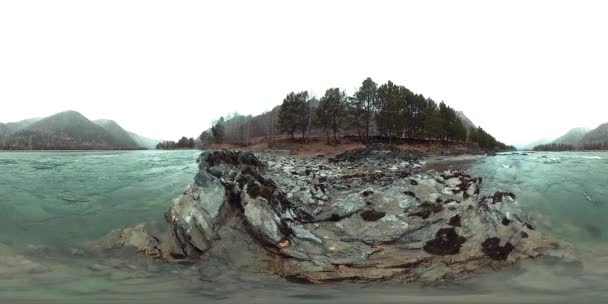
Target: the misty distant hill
pixel 596 138
pixel 573 137
pixel 143 141
pixel 465 120
pixel 67 130
pixel 530 146
pixel 16 126
pixel 119 134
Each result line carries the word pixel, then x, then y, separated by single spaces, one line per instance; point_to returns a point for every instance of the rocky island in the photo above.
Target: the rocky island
pixel 366 214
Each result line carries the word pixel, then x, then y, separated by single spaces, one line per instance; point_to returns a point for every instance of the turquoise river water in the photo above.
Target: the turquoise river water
pixel 50 202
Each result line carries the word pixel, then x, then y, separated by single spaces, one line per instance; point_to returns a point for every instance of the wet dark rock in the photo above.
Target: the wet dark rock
pixel 455 220
pixel 372 215
pixel 413 182
pixel 409 193
pixel 367 193
pixel 498 196
pixel 491 248
pixel 446 242
pixel 425 210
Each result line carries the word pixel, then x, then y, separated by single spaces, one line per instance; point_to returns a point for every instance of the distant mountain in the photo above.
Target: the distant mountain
pixel 143 141
pixel 596 137
pixel 572 137
pixel 530 146
pixel 68 130
pixel 118 133
pixel 16 126
pixel 4 130
pixel 465 120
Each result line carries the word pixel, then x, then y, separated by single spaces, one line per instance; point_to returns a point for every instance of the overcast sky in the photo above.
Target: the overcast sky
pixel 523 70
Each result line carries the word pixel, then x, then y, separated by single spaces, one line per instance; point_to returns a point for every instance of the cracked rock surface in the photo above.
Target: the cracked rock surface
pixel 314 220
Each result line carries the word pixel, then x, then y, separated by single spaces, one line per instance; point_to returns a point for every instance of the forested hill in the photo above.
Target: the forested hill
pixel 120 136
pixel 596 138
pixel 573 137
pixel 579 139
pixel 388 111
pixel 68 130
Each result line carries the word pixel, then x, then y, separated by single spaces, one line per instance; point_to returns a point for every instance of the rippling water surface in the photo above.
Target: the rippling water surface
pixel 52 201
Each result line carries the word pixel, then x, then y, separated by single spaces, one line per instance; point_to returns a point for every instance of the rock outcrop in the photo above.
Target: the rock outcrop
pixel 314 221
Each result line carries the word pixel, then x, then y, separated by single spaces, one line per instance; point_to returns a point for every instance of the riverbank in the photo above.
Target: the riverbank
pixel 316 146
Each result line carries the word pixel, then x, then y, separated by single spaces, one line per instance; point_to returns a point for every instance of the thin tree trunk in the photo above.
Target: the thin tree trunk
pixel 309 119
pixel 335 137
pixel 367 131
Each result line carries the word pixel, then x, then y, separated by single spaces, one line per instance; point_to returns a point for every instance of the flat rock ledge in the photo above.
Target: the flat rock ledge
pixel 314 220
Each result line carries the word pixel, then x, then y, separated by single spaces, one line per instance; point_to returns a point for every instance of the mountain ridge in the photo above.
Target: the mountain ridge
pixel 67 130
pixel 596 138
pixel 573 137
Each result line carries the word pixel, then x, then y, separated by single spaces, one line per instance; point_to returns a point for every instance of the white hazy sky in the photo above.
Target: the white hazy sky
pixel 523 70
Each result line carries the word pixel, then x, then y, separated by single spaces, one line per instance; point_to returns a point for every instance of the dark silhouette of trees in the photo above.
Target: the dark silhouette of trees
pixel 205 137
pixel 182 143
pixel 486 141
pixel 363 106
pixel 217 131
pixel 554 147
pixel 389 110
pixel 294 113
pixel 390 105
pixel 331 112
pixel 432 121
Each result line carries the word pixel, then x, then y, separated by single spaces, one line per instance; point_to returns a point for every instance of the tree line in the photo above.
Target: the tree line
pixel 182 143
pixel 568 147
pixel 554 147
pixel 389 111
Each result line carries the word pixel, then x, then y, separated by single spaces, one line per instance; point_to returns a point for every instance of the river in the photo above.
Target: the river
pixel 50 202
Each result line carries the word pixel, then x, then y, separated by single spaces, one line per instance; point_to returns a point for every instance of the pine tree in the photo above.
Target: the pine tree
pixel 331 111
pixel 364 104
pixel 293 115
pixel 432 120
pixel 389 118
pixel 218 130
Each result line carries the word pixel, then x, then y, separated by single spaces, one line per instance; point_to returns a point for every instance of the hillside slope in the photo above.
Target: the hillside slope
pixel 4 130
pixel 19 125
pixel 465 120
pixel 572 137
pixel 597 136
pixel 143 141
pixel 120 135
pixel 67 130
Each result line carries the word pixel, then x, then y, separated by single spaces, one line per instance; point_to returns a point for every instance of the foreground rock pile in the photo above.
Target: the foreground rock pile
pixel 312 220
